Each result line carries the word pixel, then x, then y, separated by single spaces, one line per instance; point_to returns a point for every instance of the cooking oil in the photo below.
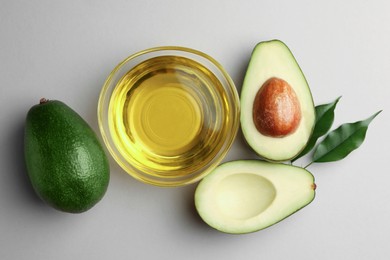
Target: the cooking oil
pixel 168 116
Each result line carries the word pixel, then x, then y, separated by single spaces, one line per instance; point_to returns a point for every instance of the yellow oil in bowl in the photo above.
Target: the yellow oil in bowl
pixel 170 118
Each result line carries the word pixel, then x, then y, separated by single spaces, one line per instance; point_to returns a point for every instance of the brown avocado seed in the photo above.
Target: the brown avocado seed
pixel 276 109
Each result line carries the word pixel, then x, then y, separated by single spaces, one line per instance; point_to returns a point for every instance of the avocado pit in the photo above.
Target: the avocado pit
pixel 276 109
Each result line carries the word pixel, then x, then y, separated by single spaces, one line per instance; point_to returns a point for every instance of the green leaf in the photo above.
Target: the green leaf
pixel 342 141
pixel 324 121
pixel 324 118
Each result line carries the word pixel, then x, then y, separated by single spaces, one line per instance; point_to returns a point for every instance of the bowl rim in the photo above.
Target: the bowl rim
pixel 229 86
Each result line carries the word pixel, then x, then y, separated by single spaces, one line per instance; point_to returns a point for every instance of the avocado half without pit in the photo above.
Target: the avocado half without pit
pixel 277 108
pixel 246 196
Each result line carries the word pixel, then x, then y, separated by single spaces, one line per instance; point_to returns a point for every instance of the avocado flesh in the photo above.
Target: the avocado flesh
pixel 66 163
pixel 246 196
pixel 273 59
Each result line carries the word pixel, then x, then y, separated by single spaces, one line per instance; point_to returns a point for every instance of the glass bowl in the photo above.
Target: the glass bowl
pixel 168 115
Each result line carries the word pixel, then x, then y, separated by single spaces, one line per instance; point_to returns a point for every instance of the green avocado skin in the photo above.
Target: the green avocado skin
pixel 65 161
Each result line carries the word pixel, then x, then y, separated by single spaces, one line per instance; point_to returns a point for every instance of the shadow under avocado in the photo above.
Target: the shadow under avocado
pixel 190 206
pixel 18 175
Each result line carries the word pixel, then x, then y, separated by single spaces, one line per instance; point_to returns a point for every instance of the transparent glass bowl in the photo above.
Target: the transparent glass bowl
pixel 168 146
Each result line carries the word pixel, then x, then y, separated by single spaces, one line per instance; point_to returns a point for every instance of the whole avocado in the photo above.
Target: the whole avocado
pixel 65 161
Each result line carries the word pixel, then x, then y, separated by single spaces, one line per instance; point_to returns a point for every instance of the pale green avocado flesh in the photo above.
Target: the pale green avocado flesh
pixel 273 59
pixel 246 196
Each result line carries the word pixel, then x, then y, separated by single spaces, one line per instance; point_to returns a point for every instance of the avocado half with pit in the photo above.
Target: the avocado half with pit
pixel 246 196
pixel 277 108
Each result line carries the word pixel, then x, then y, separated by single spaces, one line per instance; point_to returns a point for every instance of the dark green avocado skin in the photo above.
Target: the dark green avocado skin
pixel 65 161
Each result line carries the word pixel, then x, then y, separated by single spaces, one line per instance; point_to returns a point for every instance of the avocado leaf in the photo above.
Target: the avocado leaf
pixel 324 121
pixel 342 141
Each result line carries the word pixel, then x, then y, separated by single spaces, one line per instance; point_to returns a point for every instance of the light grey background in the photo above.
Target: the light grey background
pixel 65 49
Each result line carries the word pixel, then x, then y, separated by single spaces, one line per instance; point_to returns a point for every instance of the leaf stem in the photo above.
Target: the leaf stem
pixel 308 165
